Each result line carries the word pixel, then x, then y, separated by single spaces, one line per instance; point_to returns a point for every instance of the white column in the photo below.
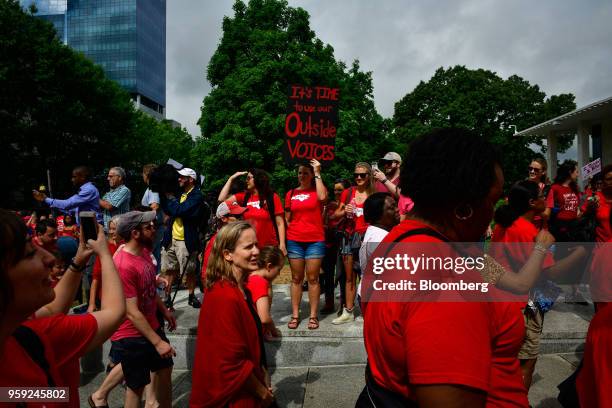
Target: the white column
pixel 583 149
pixel 551 154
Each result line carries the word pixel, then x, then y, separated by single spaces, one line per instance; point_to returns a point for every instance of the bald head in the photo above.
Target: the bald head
pixel 80 175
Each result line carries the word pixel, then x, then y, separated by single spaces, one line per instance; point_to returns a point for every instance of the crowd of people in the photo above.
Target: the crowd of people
pixel 448 188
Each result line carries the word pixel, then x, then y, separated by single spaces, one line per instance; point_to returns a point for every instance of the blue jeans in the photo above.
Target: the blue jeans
pixel 305 250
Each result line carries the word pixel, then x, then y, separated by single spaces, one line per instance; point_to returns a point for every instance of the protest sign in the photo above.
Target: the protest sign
pixel 591 169
pixel 311 124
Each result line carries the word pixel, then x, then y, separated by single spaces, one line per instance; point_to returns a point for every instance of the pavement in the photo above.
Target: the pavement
pixel 325 367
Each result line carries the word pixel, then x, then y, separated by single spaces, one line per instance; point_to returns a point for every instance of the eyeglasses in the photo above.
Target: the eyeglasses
pixel 360 175
pixel 338 190
pixel 112 175
pixel 249 177
pixel 533 169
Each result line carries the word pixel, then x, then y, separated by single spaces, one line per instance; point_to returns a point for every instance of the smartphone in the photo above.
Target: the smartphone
pixel 374 165
pixel 89 224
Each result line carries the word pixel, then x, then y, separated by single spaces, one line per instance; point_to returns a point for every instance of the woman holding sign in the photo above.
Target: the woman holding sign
pixel 351 207
pixel 306 239
pixel 265 212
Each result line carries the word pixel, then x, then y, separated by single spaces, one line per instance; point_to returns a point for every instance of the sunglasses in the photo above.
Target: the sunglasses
pixel 533 169
pixel 360 175
pixel 338 190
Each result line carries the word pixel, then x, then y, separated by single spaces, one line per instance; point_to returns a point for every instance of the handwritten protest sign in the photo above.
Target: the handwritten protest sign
pixel 591 169
pixel 311 124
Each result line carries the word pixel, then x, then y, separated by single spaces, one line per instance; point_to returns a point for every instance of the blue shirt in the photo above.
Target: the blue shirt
pixel 119 198
pixel 87 199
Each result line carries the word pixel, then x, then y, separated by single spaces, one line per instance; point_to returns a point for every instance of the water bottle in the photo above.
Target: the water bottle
pixel 350 215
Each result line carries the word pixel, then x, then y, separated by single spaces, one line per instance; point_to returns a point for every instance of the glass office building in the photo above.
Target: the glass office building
pixel 127 38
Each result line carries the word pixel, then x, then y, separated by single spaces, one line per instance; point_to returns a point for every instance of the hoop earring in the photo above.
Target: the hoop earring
pixel 464 217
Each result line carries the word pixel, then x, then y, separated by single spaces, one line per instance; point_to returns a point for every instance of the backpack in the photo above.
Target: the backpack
pixel 271 210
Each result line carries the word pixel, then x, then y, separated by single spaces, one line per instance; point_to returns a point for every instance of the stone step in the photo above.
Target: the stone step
pixel 565 329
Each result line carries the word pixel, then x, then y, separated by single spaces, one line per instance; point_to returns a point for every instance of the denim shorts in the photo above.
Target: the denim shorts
pixel 305 250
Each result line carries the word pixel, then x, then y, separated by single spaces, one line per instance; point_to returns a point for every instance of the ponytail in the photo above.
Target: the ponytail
pixel 518 202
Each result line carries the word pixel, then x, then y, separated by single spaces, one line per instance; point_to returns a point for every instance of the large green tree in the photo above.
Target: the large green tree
pixel 484 102
pixel 58 110
pixel 265 47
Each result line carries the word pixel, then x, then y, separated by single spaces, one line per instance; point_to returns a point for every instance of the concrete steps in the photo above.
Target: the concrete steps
pixel 565 329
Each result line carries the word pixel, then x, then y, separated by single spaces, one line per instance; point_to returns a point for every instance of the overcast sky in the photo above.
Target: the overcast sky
pixel 561 45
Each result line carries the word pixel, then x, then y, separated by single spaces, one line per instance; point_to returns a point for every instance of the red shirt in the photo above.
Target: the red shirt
pixel 601 274
pixel 306 222
pixel 227 350
pixel 513 256
pixel 563 198
pixel 137 275
pixel 595 378
pixel 258 285
pixel 206 256
pixel 405 204
pixel 260 218
pixel 603 232
pixel 68 231
pixel 358 225
pixel 473 344
pixel 65 339
pixel 97 269
pixel 381 188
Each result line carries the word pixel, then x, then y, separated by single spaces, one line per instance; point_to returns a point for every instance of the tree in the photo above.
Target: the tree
pixel 482 101
pixel 58 110
pixel 267 46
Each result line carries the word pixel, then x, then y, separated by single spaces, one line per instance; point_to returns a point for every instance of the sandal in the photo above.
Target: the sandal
pixel 93 405
pixel 313 323
pixel 293 323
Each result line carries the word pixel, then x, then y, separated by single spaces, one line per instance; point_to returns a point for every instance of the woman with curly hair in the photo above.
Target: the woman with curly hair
pixel 265 207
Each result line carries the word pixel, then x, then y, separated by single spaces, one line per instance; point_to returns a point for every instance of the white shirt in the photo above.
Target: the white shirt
pixel 372 237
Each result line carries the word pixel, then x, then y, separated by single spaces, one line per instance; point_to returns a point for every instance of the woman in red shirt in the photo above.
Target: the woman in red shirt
pixel 351 208
pixel 536 172
pixel 62 340
pixel 563 201
pixel 439 354
pixel 601 203
pixel 264 206
pixel 306 240
pixel 229 364
pixel 96 277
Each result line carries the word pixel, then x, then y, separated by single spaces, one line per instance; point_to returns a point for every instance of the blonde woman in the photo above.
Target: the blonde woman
pixel 229 368
pixel 351 207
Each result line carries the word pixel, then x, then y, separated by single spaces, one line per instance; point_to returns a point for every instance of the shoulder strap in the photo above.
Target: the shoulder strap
pixel 349 195
pixel 249 301
pixel 418 231
pixel 31 343
pixel 271 210
pixel 288 205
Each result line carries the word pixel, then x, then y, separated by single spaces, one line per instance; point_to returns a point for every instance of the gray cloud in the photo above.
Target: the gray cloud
pixel 563 46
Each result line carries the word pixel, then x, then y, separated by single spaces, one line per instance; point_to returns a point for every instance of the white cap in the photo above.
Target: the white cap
pixel 392 156
pixel 187 172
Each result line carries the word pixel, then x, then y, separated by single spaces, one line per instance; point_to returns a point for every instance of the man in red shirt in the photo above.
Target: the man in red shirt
pixel 46 235
pixel 140 344
pixel 388 181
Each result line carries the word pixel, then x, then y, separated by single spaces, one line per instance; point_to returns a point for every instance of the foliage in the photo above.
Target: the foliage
pixel 267 46
pixel 482 101
pixel 58 110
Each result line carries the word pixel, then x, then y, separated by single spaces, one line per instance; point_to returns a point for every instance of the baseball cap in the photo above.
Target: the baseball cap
pixel 127 222
pixel 187 172
pixel 392 156
pixel 229 207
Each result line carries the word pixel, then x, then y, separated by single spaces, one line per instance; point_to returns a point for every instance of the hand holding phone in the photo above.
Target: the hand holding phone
pixel 89 225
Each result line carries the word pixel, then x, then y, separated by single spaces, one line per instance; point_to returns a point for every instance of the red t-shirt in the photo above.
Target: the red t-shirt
pixel 260 218
pixel 601 274
pixel 513 256
pixel 137 275
pixel 258 285
pixel 227 350
pixel 381 188
pixel 405 204
pixel 306 222
pixel 473 344
pixel 206 255
pixel 358 224
pixel 97 269
pixel 65 339
pixel 563 198
pixel 603 232
pixel 595 378
pixel 68 231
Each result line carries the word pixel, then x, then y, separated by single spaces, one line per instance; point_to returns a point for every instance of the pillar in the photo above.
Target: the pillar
pixel 551 154
pixel 583 149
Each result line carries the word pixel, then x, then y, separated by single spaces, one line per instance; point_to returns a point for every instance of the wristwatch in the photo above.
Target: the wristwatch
pixel 317 177
pixel 75 267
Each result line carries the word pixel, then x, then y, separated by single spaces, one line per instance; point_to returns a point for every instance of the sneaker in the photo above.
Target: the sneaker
pixel 194 302
pixel 346 317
